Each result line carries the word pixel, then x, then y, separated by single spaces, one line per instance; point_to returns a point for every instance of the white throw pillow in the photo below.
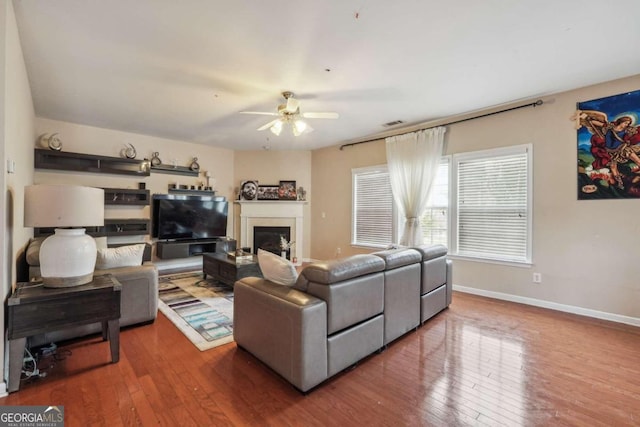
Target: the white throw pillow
pixel 276 268
pixel 123 256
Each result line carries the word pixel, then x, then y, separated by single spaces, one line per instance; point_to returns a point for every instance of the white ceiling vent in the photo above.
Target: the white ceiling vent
pixel 393 123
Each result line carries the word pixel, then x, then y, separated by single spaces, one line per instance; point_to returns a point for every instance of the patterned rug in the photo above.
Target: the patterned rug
pixel 201 309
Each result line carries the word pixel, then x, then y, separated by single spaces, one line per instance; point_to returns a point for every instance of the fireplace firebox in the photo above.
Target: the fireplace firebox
pixel 268 239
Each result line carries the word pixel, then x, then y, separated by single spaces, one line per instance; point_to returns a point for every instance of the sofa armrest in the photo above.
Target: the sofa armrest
pixel 139 301
pixel 283 327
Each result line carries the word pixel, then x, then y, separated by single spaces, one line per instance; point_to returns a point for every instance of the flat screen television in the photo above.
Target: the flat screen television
pixel 188 217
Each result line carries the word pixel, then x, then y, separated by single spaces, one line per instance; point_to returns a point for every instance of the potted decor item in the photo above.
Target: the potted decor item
pixel 284 246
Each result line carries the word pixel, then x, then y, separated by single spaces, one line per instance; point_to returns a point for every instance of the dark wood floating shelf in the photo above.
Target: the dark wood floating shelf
pixel 112 227
pixel 127 227
pixel 176 170
pixel 195 192
pixel 78 162
pixel 126 196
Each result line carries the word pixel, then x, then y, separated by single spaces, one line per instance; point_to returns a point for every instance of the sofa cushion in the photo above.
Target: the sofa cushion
pixel 276 268
pixel 33 251
pixel 431 251
pixel 123 256
pixel 338 270
pixel 396 258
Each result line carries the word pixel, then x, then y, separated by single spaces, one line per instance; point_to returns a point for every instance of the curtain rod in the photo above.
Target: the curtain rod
pixel 531 104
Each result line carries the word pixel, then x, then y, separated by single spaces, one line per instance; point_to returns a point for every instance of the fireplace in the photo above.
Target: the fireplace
pixel 277 214
pixel 268 239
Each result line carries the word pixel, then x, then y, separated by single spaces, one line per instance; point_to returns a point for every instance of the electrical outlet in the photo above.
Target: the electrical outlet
pixel 537 278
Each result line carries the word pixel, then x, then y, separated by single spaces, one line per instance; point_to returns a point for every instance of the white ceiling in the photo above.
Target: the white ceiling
pixel 185 69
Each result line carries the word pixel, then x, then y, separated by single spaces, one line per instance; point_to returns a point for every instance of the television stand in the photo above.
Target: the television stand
pixel 188 248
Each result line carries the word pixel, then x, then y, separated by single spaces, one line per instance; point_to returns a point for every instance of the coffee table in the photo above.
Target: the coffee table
pixel 227 270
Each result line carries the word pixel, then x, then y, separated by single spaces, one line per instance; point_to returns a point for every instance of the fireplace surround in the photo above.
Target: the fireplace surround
pixel 278 213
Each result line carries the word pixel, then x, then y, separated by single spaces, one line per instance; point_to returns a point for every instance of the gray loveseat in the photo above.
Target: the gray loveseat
pixel 138 303
pixel 339 311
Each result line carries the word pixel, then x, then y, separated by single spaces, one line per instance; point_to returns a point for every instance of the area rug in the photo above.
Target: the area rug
pixel 202 309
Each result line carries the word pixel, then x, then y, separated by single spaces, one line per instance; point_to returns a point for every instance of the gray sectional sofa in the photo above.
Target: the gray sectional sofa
pixel 339 311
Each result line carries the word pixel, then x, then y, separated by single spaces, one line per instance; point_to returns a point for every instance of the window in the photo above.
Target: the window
pixel 373 211
pixel 480 206
pixel 492 199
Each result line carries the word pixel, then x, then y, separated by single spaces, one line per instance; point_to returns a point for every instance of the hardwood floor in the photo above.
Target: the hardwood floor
pixel 480 362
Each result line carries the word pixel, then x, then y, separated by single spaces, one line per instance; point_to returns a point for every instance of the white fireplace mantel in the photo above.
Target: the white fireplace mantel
pixel 277 213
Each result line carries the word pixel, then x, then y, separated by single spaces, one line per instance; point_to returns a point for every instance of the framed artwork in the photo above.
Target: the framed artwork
pixel 249 190
pixel 609 147
pixel 287 190
pixel 268 192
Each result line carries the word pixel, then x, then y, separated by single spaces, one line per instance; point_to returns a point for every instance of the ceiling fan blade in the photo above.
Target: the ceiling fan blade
pixel 264 113
pixel 268 125
pixel 326 115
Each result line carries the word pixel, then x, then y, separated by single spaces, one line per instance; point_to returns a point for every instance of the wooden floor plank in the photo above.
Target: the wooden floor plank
pixel 482 362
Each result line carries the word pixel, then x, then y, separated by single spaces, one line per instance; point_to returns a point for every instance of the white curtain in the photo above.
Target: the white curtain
pixel 413 160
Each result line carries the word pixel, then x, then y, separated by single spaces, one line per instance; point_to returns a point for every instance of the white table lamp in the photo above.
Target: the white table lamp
pixel 68 257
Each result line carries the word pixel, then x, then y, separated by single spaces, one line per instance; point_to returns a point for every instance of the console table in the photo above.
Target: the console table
pixel 227 270
pixel 34 309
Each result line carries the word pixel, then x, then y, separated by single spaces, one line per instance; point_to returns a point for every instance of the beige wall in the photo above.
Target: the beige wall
pixel 269 167
pixel 16 134
pixel 586 251
pixel 331 208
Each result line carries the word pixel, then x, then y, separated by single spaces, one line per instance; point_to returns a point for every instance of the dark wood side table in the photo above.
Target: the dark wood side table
pixel 227 270
pixel 34 309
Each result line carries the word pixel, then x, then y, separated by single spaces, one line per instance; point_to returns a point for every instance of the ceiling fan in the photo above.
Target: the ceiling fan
pixel 289 113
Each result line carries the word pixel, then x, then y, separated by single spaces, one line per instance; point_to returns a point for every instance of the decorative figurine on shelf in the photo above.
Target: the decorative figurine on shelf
pixel 50 141
pixel 155 160
pixel 55 143
pixel 302 194
pixel 194 165
pixel 129 151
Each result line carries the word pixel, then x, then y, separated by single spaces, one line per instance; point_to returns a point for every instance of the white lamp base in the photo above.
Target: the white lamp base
pixel 68 258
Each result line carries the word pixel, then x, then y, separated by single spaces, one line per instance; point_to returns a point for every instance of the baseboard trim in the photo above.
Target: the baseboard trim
pixel 3 389
pixel 627 320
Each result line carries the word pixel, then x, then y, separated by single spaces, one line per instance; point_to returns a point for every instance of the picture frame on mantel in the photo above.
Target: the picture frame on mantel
pixel 268 192
pixel 287 190
pixel 249 190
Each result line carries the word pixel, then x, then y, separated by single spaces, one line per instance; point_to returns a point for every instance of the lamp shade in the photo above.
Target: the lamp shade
pixel 63 206
pixel 67 258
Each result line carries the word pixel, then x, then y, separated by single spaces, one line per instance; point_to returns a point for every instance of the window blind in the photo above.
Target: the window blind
pixel 493 207
pixel 372 222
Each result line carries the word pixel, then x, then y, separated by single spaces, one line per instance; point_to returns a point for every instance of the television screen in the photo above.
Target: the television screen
pixel 189 217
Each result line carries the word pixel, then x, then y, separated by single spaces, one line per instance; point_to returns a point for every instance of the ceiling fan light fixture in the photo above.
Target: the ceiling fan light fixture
pixel 276 128
pixel 290 115
pixel 299 126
